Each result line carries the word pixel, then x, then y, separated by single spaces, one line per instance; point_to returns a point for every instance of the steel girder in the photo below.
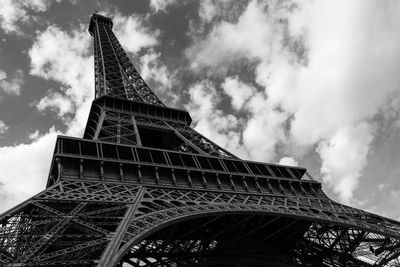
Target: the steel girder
pixel 105 224
pixel 114 73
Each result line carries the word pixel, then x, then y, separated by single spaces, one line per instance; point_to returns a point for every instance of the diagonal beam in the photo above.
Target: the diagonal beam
pixel 47 208
pixel 99 211
pixel 60 252
pixel 91 226
pixel 47 238
pixel 120 232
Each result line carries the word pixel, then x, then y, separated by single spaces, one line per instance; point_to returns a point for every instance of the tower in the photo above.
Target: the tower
pixel 142 188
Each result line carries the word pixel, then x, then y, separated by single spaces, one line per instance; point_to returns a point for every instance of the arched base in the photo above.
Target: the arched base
pixel 240 239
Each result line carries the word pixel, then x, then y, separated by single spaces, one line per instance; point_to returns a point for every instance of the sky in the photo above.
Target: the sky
pixel 305 83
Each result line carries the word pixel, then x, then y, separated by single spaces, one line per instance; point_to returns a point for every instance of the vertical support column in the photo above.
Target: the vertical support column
pixel 138 140
pixel 102 57
pixel 119 128
pixel 116 239
pixel 99 125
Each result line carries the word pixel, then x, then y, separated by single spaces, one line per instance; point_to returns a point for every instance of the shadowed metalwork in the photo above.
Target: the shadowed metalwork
pixel 142 188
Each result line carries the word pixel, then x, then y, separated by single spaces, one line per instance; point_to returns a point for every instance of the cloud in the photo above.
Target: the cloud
pixel 56 102
pixel 213 122
pixel 238 91
pixel 132 33
pixel 161 5
pixel 64 57
pixel 326 69
pixel 346 83
pixel 288 161
pixel 35 135
pixel 11 86
pixel 253 137
pixel 14 13
pixel 264 129
pixel 231 41
pixel 153 69
pixel 343 158
pixel 208 10
pixel 211 11
pixel 391 114
pixel 158 76
pixel 33 174
pixel 3 128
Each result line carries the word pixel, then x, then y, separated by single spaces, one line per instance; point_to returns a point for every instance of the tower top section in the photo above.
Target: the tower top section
pixel 96 18
pixel 115 75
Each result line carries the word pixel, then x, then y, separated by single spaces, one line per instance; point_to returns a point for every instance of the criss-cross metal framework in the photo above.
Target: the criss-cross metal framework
pixel 142 188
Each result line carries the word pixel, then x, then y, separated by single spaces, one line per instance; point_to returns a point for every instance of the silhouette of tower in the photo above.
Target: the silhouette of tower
pixel 142 188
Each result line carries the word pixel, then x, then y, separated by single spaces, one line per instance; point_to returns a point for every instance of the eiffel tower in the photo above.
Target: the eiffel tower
pixel 142 188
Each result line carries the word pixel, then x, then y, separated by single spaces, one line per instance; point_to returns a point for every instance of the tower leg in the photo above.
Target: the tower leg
pixel 116 239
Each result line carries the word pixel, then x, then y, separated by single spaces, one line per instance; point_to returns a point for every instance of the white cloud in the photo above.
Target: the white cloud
pixel 207 10
pixel 204 98
pixel 161 5
pixel 350 76
pixel 238 91
pixel 3 128
pixel 152 68
pixel 62 57
pixel 18 183
pixel 13 13
pixel 264 130
pixel 326 68
pixel 228 41
pixel 11 86
pixel 56 102
pixel 35 135
pixel 65 57
pixel 343 158
pixel 347 80
pixel 159 78
pixel 133 34
pixel 213 122
pixel 288 161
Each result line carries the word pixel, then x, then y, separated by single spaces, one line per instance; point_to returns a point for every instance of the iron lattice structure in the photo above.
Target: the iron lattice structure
pixel 142 188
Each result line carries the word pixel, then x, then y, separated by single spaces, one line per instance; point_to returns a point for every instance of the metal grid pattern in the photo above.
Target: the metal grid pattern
pixel 114 73
pixel 94 223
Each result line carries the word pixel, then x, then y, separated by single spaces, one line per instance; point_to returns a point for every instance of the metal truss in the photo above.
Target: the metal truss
pixel 96 223
pixel 53 233
pixel 225 240
pixel 318 237
pixel 117 128
pixel 142 188
pixel 114 73
pixel 125 128
pixel 199 142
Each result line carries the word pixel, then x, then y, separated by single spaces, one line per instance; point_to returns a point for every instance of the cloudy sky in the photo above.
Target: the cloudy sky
pixel 308 83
